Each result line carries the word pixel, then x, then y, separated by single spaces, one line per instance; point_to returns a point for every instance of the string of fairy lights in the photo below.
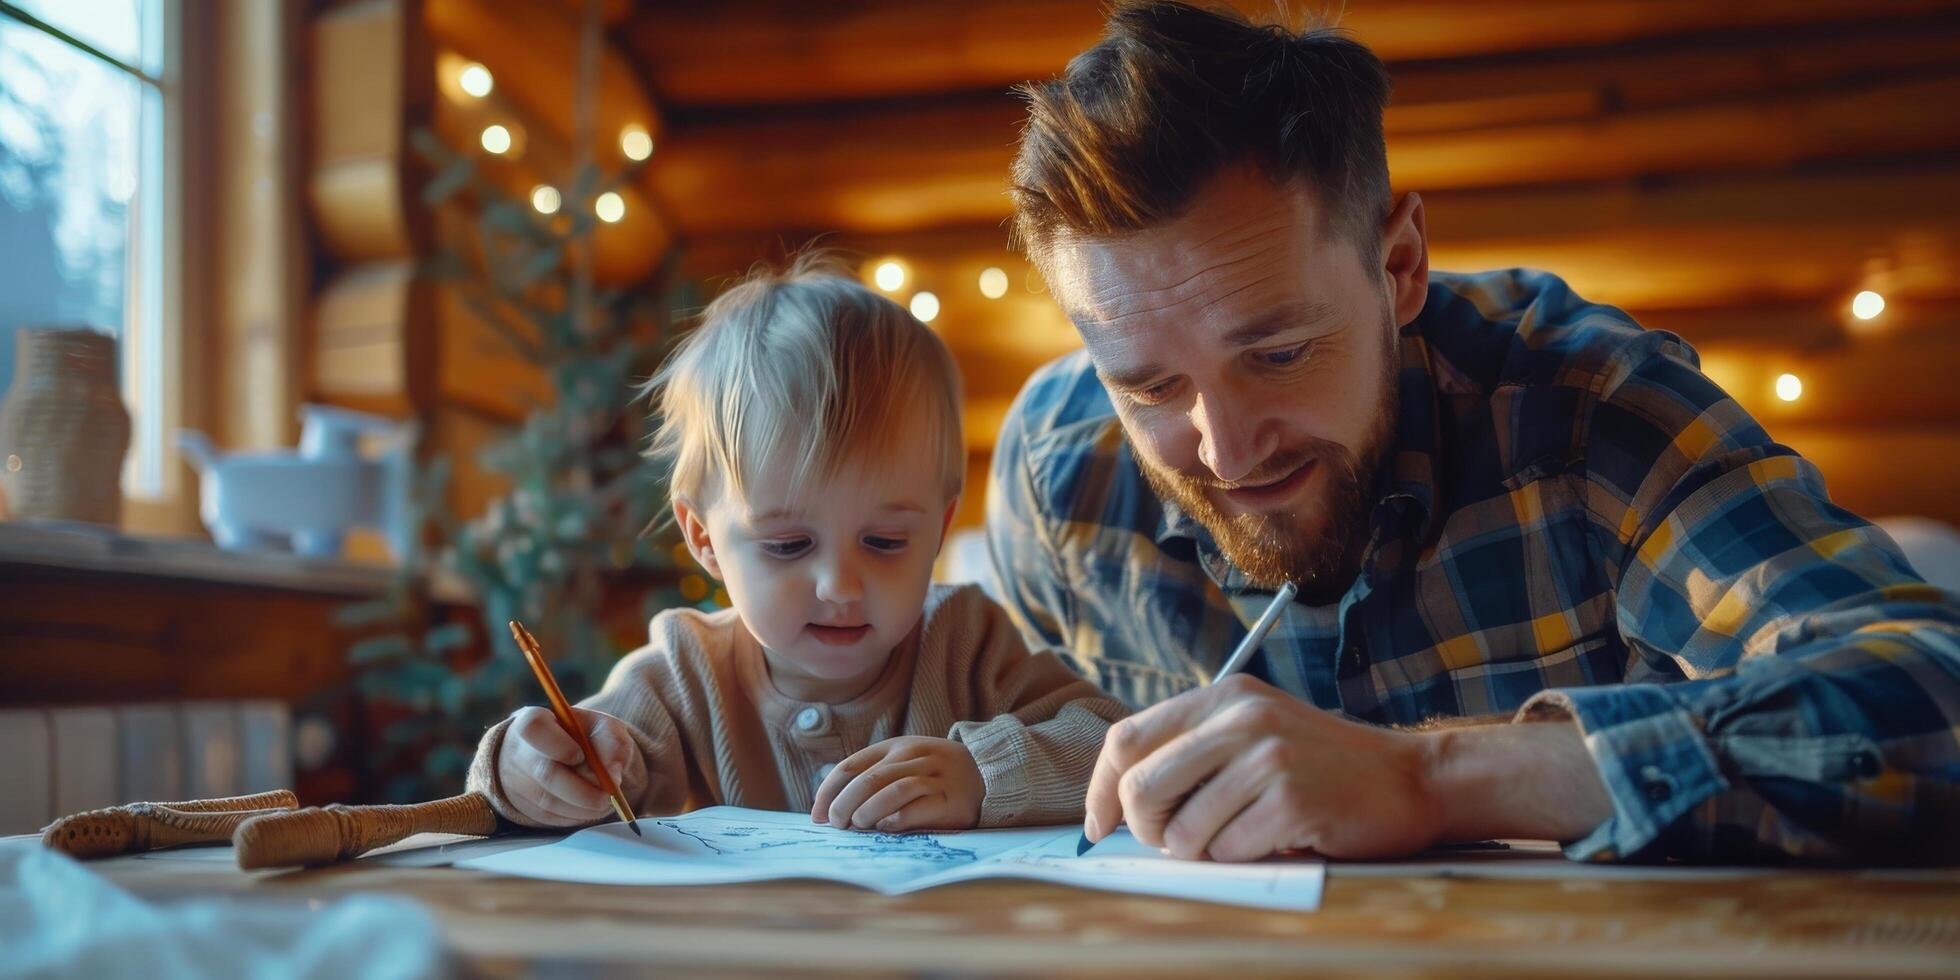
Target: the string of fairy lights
pixel 891 275
pixel 1867 305
pixel 499 139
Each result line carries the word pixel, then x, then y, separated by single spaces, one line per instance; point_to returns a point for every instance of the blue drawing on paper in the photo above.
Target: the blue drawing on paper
pixel 817 843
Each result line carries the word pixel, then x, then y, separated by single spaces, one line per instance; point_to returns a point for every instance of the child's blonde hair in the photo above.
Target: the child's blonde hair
pixel 804 364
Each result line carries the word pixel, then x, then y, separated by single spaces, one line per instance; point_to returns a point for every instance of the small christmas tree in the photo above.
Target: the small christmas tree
pixel 572 529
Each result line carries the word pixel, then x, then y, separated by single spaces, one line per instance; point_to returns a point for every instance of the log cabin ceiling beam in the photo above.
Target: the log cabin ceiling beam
pixel 892 171
pixel 798 53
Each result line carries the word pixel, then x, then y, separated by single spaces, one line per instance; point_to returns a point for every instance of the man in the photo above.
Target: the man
pixel 1500 503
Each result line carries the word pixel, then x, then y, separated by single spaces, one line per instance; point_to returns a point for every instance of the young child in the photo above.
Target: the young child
pixel 814 435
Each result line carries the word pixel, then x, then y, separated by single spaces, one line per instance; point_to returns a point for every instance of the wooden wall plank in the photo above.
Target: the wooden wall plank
pixel 479 370
pixel 1681 72
pixel 372 347
pixel 1878 383
pixel 1776 131
pixel 798 53
pixel 874 171
pixel 947 164
pixel 359 206
pixel 369 85
pixel 1884 470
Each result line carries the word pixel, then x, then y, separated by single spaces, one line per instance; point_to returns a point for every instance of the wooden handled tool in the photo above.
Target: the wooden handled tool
pixel 323 835
pixel 146 826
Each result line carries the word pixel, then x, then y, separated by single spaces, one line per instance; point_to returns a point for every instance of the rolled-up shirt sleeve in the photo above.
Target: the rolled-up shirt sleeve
pixel 1819 717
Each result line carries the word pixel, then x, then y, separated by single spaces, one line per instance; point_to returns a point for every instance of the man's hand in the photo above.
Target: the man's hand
pixel 1240 770
pixel 910 783
pixel 540 767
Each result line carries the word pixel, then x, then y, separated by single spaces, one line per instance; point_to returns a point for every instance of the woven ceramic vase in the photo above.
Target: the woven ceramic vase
pixel 63 428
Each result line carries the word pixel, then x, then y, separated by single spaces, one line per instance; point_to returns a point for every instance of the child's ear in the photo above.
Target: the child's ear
pixel 694 531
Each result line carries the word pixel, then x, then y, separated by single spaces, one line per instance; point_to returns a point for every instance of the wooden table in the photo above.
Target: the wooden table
pixel 1799 924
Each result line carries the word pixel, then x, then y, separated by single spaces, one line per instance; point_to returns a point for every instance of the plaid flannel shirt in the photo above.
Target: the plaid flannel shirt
pixel 1573 522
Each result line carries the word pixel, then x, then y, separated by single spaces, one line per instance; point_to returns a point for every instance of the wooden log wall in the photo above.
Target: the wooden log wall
pixel 385 336
pixel 1734 172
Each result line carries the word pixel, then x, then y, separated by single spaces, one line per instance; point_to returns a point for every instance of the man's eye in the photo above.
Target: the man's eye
pixel 1286 356
pixel 880 543
pixel 1155 394
pixel 786 548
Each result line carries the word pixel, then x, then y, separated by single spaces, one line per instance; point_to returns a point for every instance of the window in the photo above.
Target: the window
pixel 83 190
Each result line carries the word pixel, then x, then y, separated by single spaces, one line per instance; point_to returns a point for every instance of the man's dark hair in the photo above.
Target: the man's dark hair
pixel 1174 92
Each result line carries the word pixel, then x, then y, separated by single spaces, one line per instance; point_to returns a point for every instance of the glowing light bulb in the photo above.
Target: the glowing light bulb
pixel 889 276
pixel 475 79
pixel 545 199
pixel 496 139
pixel 610 207
pixel 925 306
pixel 635 143
pixel 993 283
pixel 1867 305
pixel 1789 387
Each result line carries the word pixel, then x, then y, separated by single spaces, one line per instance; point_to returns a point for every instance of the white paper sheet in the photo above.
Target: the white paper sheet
pixel 722 845
pixel 1118 863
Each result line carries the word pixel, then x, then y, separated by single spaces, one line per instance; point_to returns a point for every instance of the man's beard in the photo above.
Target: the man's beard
pixel 1321 560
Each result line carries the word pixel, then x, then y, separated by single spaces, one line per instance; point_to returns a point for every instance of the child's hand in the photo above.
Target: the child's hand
pixel 908 783
pixel 540 767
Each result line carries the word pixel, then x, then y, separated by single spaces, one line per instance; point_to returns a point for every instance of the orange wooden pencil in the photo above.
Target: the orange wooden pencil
pixel 562 710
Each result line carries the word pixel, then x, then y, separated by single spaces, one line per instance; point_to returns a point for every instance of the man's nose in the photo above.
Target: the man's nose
pixel 1229 436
